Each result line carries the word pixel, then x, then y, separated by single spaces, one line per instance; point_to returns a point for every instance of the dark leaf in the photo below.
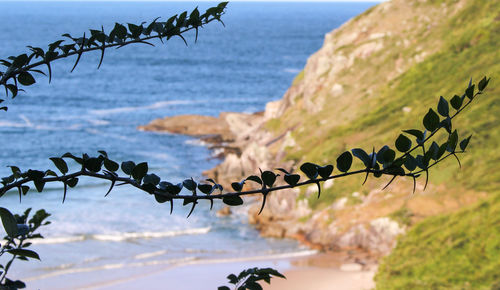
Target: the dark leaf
pixel 417 133
pixel 310 170
pixel 151 179
pixel 189 184
pixel 60 164
pixel 69 155
pixel 442 149
pixel 443 107
pixel 15 170
pixel 434 151
pixel 11 285
pixel 255 178
pixel 20 61
pixel 206 188
pixel 39 184
pixel 25 79
pixel 421 162
pixel 431 121
pixel 140 170
pixel 410 163
pixel 388 156
pixel 93 164
pixel 396 170
pixel 72 182
pixel 149 188
pixel 232 279
pixel 469 92
pixel 344 161
pixel 13 89
pixel 483 83
pixel 233 200
pixel 25 189
pixel 403 143
pixel 380 154
pixel 127 167
pixel 161 198
pixel 170 188
pixel 464 143
pixel 253 285
pixel 24 253
pixel 325 171
pixel 238 186
pixel 9 222
pixel 446 123
pixel 111 165
pixel 363 156
pixel 292 179
pixel 452 141
pixel 456 102
pixel 268 177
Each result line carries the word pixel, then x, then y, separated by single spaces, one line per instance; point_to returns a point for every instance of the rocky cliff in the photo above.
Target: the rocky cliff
pixel 375 75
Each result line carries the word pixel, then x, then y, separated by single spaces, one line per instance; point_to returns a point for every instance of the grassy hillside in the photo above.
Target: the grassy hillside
pixel 445 248
pixel 459 250
pixel 453 251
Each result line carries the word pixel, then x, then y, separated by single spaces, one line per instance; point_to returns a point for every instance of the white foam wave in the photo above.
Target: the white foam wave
pixel 110 135
pixel 150 255
pixel 119 237
pixel 59 240
pixel 181 261
pixel 196 142
pixel 27 123
pixel 98 122
pixel 153 106
pixel 155 155
pixel 292 70
pixel 174 263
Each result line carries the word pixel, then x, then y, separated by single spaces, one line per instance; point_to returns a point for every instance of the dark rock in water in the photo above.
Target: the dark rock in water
pixel 210 129
pixel 223 134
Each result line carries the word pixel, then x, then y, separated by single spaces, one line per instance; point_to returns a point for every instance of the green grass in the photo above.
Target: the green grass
pixel 459 250
pixel 453 251
pixel 445 73
pixel 402 216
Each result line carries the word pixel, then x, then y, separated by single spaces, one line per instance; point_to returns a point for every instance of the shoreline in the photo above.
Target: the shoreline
pixel 306 269
pixel 308 272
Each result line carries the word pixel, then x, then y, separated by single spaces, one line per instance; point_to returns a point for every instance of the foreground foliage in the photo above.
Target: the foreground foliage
pixel 414 153
pixel 248 279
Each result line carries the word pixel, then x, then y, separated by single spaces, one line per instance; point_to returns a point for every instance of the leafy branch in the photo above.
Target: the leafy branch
pixel 20 69
pixel 20 231
pixel 248 279
pixel 377 163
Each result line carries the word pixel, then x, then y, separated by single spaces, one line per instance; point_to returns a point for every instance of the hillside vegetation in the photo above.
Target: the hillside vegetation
pixel 380 73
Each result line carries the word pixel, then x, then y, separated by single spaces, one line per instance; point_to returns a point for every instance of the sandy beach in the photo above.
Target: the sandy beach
pixel 317 271
pixel 324 279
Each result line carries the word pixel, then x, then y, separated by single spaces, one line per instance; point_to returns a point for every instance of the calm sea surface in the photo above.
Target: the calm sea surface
pixel 238 68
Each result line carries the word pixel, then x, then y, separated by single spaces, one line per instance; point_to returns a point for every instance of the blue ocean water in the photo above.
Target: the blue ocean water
pixel 240 68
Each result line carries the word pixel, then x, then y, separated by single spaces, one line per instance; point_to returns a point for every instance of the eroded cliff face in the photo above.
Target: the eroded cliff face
pixel 326 111
pixel 357 61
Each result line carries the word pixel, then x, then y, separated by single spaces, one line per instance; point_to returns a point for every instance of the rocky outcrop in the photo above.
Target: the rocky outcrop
pixel 224 132
pixel 351 67
pixel 193 125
